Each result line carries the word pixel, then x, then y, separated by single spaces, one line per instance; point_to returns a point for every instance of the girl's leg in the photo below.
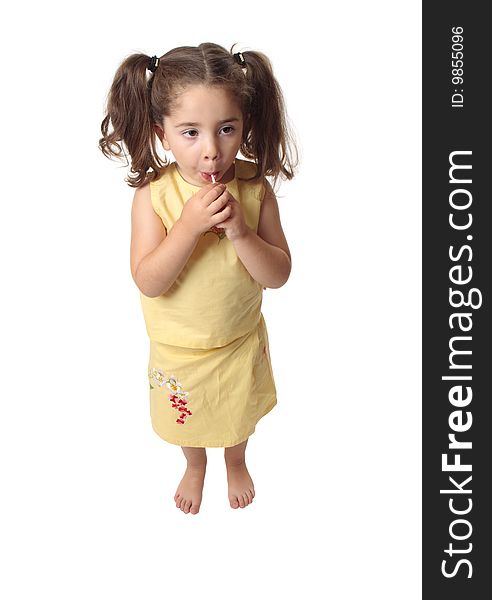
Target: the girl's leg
pixel 241 488
pixel 188 496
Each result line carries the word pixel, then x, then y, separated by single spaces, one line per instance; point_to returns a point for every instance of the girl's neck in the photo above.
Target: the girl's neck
pixel 230 174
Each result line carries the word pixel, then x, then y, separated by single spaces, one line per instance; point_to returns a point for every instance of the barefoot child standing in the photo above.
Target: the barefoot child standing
pixel 206 239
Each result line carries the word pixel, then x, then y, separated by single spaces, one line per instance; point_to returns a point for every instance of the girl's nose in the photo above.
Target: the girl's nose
pixel 211 155
pixel 210 150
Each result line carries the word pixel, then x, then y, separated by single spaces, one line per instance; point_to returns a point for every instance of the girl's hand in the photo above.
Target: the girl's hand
pixel 234 225
pixel 205 209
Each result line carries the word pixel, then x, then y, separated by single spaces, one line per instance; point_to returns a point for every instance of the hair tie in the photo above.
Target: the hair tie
pixel 153 64
pixel 239 58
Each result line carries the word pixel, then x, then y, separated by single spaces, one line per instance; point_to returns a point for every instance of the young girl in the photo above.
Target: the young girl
pixel 206 240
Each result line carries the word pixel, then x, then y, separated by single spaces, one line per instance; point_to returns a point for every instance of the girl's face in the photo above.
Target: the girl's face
pixel 204 133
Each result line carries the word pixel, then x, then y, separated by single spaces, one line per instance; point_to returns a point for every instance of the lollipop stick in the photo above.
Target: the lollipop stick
pixel 213 178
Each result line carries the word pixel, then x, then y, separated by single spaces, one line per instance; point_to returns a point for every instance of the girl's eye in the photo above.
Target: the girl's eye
pixel 192 132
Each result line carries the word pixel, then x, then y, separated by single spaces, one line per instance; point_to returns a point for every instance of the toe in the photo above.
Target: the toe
pixel 194 509
pixel 187 506
pixel 182 503
pixel 241 500
pixel 250 496
pixel 234 502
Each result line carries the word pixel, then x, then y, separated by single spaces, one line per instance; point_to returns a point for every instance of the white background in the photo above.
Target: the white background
pixel 87 505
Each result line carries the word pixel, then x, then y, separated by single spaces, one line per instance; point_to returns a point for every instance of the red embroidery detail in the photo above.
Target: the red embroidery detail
pixel 177 397
pixel 219 231
pixel 179 404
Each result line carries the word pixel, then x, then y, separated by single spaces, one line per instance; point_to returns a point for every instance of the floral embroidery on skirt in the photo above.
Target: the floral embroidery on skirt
pixel 177 397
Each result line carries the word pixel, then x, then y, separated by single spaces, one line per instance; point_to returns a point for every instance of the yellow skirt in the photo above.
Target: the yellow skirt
pixel 211 398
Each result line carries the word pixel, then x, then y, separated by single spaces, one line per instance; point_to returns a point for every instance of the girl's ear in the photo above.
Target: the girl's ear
pixel 159 131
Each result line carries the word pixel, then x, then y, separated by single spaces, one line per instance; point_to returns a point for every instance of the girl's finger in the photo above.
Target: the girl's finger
pixel 213 194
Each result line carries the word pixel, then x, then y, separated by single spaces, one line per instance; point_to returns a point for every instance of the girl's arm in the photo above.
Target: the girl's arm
pixel 156 257
pixel 266 254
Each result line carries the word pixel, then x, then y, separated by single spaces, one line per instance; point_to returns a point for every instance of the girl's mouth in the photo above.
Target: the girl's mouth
pixel 208 176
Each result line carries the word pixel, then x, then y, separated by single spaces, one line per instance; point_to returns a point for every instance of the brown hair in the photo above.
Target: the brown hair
pixel 136 102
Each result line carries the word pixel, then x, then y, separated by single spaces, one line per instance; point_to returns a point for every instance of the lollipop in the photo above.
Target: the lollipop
pixel 218 230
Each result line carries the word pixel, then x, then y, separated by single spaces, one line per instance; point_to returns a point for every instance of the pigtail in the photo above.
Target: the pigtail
pixel 128 111
pixel 269 139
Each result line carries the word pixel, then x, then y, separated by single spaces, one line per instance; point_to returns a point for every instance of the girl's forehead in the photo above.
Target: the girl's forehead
pixel 196 97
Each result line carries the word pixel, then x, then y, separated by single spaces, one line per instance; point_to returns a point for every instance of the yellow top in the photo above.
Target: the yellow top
pixel 214 300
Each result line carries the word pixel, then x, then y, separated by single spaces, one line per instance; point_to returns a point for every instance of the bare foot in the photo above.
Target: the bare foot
pixel 241 488
pixel 188 496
